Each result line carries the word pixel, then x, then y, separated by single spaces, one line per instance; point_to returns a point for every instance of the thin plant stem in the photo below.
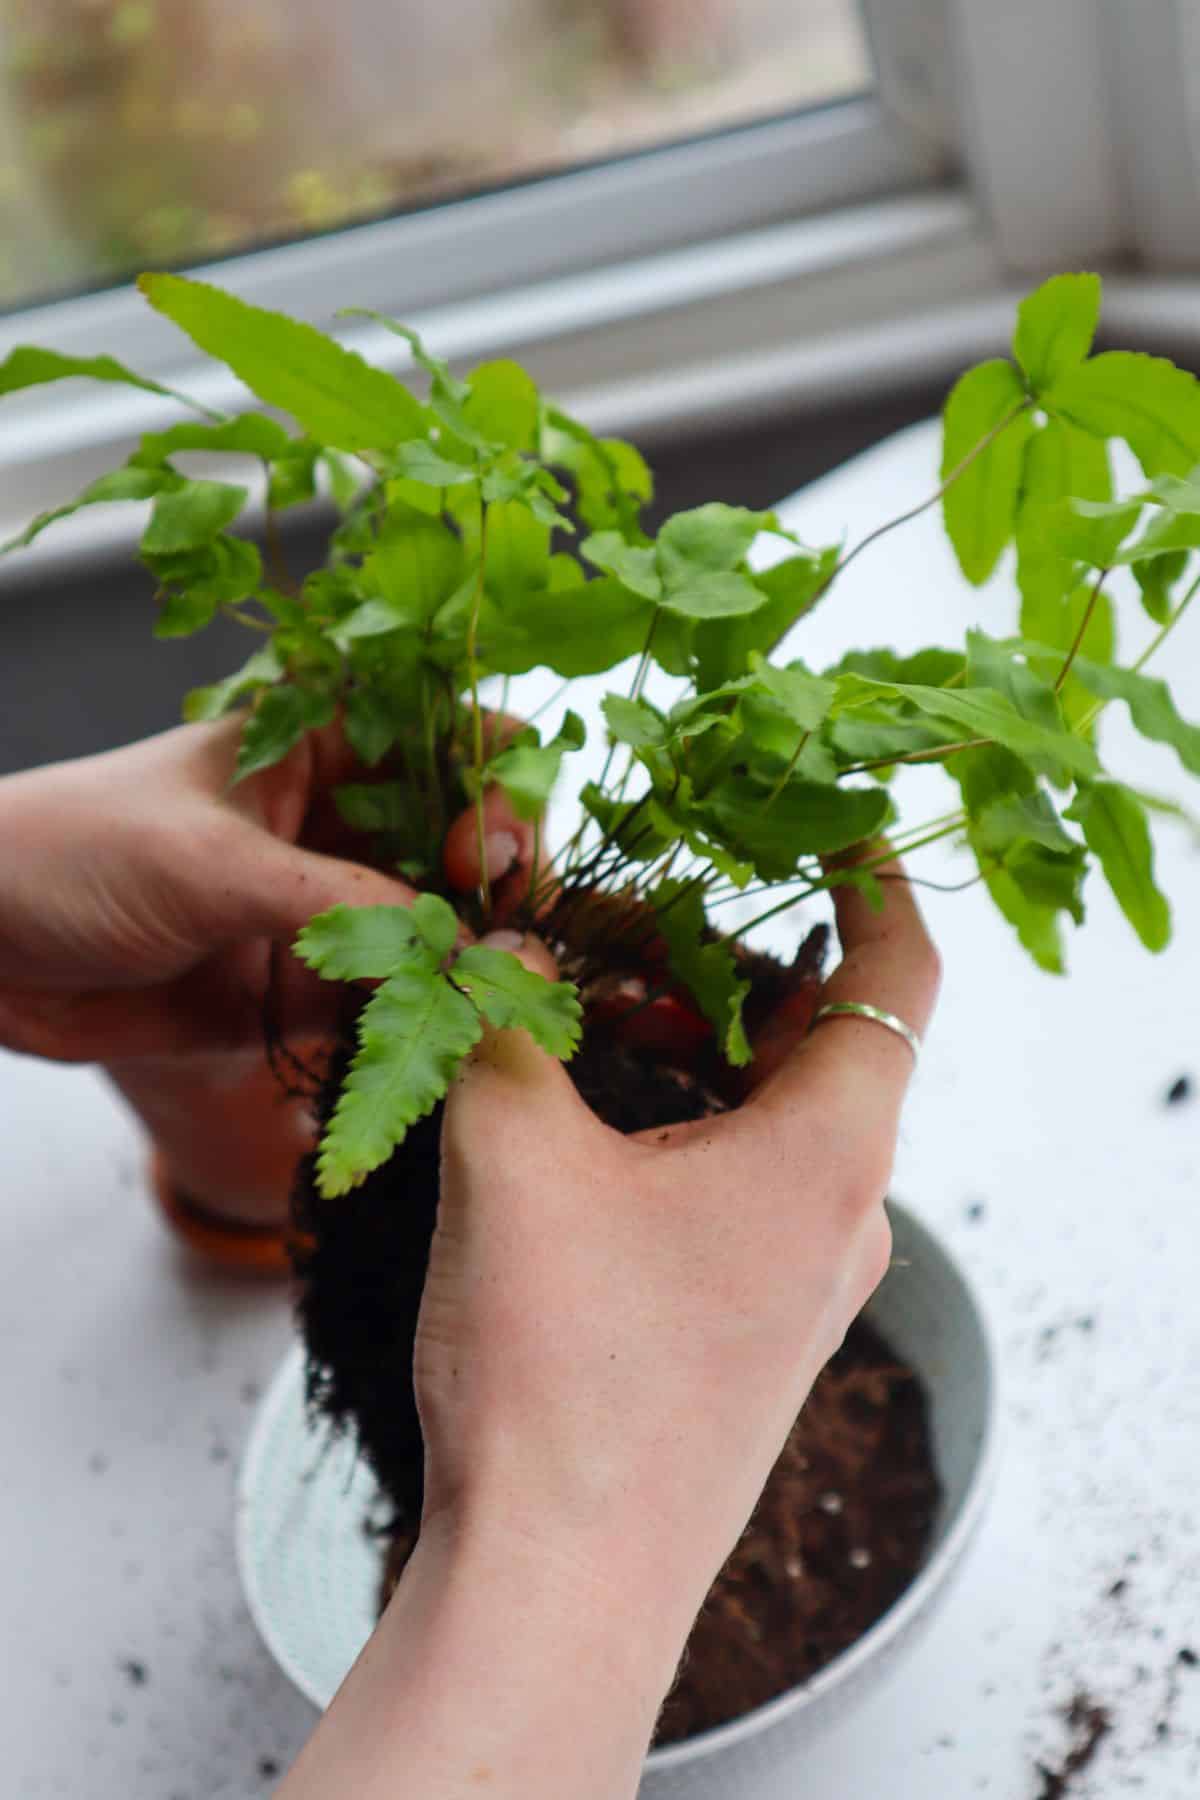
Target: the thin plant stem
pixel 985 443
pixel 1089 718
pixel 797 753
pixel 1086 620
pixel 938 753
pixel 838 878
pixel 477 757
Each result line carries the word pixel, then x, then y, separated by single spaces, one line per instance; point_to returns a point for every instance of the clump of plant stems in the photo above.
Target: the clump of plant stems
pixel 484 533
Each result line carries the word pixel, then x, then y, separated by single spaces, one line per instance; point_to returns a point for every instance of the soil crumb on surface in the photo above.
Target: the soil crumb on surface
pixel 1089 1724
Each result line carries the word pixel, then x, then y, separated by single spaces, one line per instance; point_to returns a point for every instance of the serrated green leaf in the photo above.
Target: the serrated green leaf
pixel 518 555
pixel 437 924
pixel 196 582
pixel 374 618
pixel 527 773
pixel 1055 327
pixel 1146 400
pixel 1061 462
pixel 572 733
pixel 345 479
pixel 804 819
pixel 371 724
pixel 359 943
pixel 420 462
pixel 931 667
pixel 280 719
pixel 189 515
pixel 613 483
pixel 708 539
pixel 980 504
pixel 1057 626
pixel 293 476
pixel 806 699
pixel 182 612
pixel 412 1035
pixel 121 484
pixel 726 647
pixel 1036 923
pixel 715 595
pixel 632 565
pixel 27 367
pixel 510 996
pixel 1156 578
pixel 634 722
pixel 985 714
pixel 1002 668
pixel 1150 704
pixel 707 969
pixel 251 433
pixel 1022 818
pixel 1090 531
pixel 433 366
pixel 334 395
pixel 502 404
pixel 1166 533
pixel 261 670
pixel 582 630
pixel 1114 824
pixel 611 477
pixel 415 566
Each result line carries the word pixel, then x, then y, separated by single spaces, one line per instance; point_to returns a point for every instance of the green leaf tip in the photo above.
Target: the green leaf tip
pixel 339 399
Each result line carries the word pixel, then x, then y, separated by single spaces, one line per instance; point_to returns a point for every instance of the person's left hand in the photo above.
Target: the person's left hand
pixel 146 905
pixel 146 913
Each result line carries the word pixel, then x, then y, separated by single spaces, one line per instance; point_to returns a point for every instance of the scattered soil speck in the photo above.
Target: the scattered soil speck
pixel 268 1768
pixel 1188 1658
pixel 136 1673
pixel 1117 1589
pixel 1089 1724
pixel 1179 1090
pixel 251 1393
pixel 976 1211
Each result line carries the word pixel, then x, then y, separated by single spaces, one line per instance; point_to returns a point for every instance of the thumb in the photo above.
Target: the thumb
pixel 281 887
pixel 508 1076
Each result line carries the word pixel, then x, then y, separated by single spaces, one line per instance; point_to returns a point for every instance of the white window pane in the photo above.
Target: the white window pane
pixel 135 132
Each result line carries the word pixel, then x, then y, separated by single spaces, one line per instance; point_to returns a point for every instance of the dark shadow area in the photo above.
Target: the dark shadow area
pixel 81 672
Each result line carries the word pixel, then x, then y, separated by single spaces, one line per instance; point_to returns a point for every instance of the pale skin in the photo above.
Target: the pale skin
pixel 616 1333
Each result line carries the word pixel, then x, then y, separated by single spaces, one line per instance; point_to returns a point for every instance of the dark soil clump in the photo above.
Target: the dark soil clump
pixel 845 1520
pixel 1089 1724
pixel 840 1531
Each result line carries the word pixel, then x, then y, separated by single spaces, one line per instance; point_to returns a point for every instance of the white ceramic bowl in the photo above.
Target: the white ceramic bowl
pixel 310 1570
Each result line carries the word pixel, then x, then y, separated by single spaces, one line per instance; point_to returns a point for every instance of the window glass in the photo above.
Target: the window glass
pixel 137 132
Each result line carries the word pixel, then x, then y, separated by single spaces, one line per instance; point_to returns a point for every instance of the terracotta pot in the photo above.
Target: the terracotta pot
pixel 227 1138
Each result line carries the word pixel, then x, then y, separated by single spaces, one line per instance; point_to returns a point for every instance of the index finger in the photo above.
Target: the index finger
pixel 889 962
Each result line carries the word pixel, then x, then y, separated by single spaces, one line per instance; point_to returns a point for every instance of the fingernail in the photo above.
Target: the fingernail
pixel 501 851
pixel 503 940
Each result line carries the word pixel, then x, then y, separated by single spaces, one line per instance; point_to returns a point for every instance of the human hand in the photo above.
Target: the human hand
pixel 617 1334
pixel 143 899
pixel 146 909
pixel 615 1339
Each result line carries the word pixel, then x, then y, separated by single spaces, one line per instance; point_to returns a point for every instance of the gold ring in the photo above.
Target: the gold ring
pixel 857 1009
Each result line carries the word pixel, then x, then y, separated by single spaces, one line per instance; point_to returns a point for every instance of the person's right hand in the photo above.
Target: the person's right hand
pixel 615 1339
pixel 617 1333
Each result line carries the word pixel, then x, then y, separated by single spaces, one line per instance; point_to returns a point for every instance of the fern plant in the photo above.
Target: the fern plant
pixel 484 533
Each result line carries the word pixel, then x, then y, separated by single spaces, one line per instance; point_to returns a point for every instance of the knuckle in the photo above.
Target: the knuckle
pixel 928 962
pixel 876 1254
pixel 33 1026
